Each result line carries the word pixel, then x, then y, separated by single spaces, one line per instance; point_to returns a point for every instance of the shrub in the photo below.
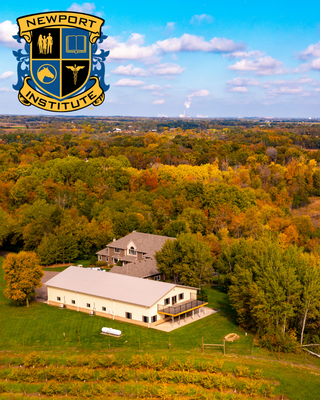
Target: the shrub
pixel 241 371
pixel 93 260
pixel 31 360
pixel 102 264
pixel 275 340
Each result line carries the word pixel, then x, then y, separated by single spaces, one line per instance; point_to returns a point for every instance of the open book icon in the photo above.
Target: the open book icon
pixel 76 44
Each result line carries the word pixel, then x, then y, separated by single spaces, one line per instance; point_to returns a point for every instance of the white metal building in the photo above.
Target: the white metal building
pixel 125 298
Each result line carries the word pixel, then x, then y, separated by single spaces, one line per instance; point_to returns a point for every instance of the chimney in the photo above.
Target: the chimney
pixel 114 239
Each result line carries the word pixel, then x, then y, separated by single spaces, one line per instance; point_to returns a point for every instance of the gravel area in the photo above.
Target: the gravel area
pixel 42 292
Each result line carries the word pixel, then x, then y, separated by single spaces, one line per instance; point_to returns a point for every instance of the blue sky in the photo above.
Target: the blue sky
pixel 203 59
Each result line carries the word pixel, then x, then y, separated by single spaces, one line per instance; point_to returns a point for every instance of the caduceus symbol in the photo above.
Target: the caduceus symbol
pixel 75 71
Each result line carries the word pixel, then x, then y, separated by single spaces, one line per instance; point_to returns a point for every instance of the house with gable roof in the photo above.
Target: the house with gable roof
pixel 134 247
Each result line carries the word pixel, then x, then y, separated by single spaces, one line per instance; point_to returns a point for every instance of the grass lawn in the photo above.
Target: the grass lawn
pixel 44 328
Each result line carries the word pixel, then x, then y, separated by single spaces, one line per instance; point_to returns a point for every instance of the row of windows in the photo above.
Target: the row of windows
pixel 128 315
pixel 173 299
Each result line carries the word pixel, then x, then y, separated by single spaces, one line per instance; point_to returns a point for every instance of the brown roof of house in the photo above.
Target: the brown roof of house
pixel 118 287
pixel 103 252
pixel 144 242
pixel 139 269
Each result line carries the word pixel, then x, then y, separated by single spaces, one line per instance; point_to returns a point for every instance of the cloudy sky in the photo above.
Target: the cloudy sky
pixel 193 58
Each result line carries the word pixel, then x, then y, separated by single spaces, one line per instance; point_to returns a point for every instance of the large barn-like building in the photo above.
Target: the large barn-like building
pixel 124 298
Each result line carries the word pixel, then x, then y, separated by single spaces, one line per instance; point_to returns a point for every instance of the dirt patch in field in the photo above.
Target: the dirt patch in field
pixel 313 210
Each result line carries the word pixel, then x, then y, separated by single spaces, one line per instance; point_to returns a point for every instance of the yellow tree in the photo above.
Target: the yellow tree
pixel 23 275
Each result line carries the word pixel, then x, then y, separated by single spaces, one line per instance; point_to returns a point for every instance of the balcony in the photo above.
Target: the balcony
pixel 183 307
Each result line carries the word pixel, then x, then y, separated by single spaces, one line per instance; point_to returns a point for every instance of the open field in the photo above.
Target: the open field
pixel 58 335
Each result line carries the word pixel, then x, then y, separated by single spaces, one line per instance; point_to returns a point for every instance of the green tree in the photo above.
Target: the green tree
pixel 48 249
pixel 186 259
pixel 5 226
pixel 67 247
pixel 310 299
pixel 23 275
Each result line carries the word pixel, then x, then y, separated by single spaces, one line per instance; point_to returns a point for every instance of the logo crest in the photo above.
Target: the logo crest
pixel 61 71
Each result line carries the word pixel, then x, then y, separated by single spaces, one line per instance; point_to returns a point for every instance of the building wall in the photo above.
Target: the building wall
pixel 114 309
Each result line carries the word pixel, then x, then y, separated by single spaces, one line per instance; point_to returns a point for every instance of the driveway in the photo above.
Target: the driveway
pixel 42 292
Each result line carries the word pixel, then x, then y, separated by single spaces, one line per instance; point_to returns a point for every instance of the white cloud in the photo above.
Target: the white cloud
pixel 202 116
pixel 167 69
pixel 162 116
pixel 129 82
pixel 170 27
pixel 129 70
pixel 243 82
pixel 240 89
pixel 262 66
pixel 6 75
pixel 244 54
pixel 7 30
pixel 315 64
pixel 132 49
pixel 4 90
pixel 158 101
pixel 135 49
pixel 201 18
pixel 152 87
pixel 196 93
pixel 197 43
pixel 285 90
pixel 311 51
pixel 84 7
pixel 158 94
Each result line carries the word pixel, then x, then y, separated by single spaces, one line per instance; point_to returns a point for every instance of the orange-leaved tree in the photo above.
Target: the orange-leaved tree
pixel 23 274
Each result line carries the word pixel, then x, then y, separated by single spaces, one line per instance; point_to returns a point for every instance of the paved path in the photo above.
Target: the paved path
pixel 167 326
pixel 42 292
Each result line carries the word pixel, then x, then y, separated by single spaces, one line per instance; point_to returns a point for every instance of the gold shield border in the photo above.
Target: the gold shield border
pixel 94 95
pixel 61 18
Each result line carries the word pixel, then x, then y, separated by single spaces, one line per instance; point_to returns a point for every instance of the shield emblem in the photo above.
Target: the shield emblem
pixel 60 60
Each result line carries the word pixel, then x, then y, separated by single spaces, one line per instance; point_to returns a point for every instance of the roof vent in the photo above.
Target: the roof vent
pixel 134 231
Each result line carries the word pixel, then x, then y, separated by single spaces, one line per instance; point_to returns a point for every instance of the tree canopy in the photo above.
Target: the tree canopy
pixel 23 275
pixel 187 260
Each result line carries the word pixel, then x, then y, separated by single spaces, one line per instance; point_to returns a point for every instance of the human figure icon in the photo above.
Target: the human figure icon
pixel 44 45
pixel 40 44
pixel 49 43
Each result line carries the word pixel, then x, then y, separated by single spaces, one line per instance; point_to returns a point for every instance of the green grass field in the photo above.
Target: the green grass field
pixel 48 329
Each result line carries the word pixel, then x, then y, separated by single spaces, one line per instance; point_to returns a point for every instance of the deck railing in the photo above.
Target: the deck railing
pixel 178 309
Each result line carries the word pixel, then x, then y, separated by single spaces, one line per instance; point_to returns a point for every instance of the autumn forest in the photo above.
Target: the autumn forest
pixel 242 197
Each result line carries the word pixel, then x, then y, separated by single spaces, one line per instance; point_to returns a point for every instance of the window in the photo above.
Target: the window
pixel 116 250
pixel 144 254
pixel 88 305
pixel 73 302
pixel 129 315
pixel 174 300
pixel 181 296
pixel 167 301
pixel 157 278
pixel 132 251
pixel 154 318
pixel 100 258
pixel 104 309
pixel 115 260
pixel 59 298
pixel 107 258
pixel 145 319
